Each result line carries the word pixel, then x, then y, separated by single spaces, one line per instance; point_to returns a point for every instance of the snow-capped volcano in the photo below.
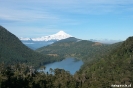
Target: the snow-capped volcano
pixel 58 36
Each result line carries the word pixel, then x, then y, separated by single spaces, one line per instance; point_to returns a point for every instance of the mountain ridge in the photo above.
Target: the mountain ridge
pixel 105 41
pixel 73 47
pixel 114 68
pixel 12 50
pixel 35 43
pixel 58 36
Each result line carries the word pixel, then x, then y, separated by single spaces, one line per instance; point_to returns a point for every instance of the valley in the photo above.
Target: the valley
pixel 102 66
pixel 80 49
pixel 66 44
pixel 13 51
pixel 68 64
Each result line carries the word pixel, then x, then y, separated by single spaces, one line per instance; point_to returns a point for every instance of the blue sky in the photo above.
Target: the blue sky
pixel 86 19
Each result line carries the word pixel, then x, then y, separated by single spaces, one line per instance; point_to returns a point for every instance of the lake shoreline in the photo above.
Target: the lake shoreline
pixel 69 64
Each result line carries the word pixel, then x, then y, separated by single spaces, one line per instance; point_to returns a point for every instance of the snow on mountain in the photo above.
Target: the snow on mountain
pixel 58 36
pixel 24 39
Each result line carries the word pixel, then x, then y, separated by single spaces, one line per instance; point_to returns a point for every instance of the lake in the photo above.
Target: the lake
pixel 69 64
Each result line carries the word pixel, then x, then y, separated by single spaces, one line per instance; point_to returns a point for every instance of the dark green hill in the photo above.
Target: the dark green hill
pixel 70 39
pixel 12 51
pixel 116 68
pixel 82 49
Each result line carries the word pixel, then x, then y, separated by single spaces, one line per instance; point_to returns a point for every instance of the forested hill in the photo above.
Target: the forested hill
pixel 12 51
pixel 73 47
pixel 116 68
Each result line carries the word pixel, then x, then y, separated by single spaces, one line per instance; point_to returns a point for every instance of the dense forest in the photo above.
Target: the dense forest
pixel 13 51
pixel 80 49
pixel 113 66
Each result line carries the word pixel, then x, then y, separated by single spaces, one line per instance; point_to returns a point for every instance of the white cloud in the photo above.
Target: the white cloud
pixel 32 10
pixel 24 15
pixel 44 17
pixel 23 11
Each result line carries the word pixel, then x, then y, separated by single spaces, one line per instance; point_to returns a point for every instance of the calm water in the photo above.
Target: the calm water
pixel 68 64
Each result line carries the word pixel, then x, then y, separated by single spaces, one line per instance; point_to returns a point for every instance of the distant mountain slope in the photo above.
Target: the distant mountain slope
pixel 116 68
pixel 70 39
pixel 35 43
pixel 58 36
pixel 72 47
pixel 106 41
pixel 12 51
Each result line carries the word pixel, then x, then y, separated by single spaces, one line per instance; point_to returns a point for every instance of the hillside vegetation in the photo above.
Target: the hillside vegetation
pixel 13 51
pixel 114 68
pixel 81 49
pixel 111 64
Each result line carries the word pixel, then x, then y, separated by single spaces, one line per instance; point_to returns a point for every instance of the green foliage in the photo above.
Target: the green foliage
pixel 81 49
pixel 24 76
pixel 13 51
pixel 114 68
pixel 111 64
